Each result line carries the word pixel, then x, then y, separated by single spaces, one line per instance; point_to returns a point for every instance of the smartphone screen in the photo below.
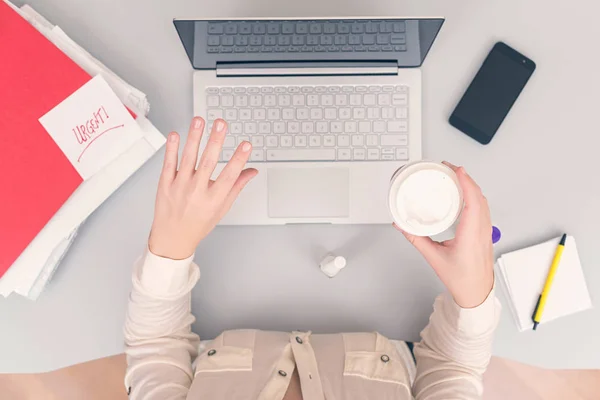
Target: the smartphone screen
pixel 492 93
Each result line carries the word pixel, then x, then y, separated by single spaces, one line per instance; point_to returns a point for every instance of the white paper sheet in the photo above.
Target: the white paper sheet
pixel 92 127
pixel 524 273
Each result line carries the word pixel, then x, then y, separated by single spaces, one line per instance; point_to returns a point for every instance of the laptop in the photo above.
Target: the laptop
pixel 332 107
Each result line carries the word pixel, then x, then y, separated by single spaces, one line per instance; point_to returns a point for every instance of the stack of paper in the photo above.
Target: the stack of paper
pixel 523 274
pixel 30 273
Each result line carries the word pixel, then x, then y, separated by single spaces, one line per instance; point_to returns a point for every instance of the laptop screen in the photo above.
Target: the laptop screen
pixel 310 42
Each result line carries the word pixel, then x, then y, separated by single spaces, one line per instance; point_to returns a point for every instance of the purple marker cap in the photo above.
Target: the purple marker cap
pixel 496 234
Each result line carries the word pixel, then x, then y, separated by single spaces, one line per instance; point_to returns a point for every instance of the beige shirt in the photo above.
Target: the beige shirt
pixel 164 361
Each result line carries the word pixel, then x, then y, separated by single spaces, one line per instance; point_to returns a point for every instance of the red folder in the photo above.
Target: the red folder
pixel 35 176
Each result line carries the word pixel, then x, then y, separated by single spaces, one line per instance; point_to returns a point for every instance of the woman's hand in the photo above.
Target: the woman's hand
pixel 464 264
pixel 188 203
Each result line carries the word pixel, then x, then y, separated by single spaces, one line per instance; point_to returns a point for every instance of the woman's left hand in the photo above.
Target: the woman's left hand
pixel 188 203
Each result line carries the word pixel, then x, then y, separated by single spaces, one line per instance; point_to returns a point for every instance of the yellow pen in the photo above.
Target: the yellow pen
pixel 541 303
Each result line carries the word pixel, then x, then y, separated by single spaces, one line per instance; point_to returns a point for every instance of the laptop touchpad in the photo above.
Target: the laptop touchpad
pixel 308 192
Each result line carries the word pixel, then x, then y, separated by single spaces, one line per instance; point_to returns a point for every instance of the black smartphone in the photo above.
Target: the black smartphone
pixel 492 93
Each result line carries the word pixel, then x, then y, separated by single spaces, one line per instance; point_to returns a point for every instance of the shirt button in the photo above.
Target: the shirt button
pixel 298 339
pixel 282 373
pixel 385 358
pixel 212 352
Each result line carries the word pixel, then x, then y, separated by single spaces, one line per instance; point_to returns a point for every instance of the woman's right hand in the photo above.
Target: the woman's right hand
pixel 464 264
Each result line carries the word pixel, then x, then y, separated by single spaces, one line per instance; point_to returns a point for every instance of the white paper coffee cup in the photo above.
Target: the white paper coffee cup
pixel 425 199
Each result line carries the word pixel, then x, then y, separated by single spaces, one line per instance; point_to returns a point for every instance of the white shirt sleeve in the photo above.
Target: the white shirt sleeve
pixel 455 349
pixel 160 345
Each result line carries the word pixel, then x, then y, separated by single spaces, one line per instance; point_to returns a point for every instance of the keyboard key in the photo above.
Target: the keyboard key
pixel 316 113
pixel 227 41
pixel 226 155
pixel 226 101
pixel 340 41
pixel 388 150
pixel 322 127
pixel 293 127
pixel 230 28
pixel 315 28
pixel 241 40
pixel 259 113
pixel 357 27
pixel 386 27
pixel 401 112
pixel 245 114
pixel 312 100
pixel 312 40
pixel 343 154
pixel 287 28
pixel 387 157
pixel 336 127
pixel 215 28
pixel 343 140
pixel 357 140
pixel 364 127
pixel 241 139
pixel 328 27
pixel 257 141
pixel 302 113
pixel 250 128
pixel 330 113
pixel 273 113
pixel 394 140
pixel 329 141
pixel 372 27
pixel 397 126
pixel 372 140
pixel 326 40
pixel 270 100
pixel 284 100
pixel 400 47
pixel 279 127
pixel 301 28
pixel 300 141
pixel 270 40
pixel 355 39
pixel 257 155
pixel 369 99
pixel 298 99
pixel 373 113
pixel 301 155
pixel 283 41
pixel 273 28
pixel 384 99
pixel 398 26
pixel 287 113
pixel 286 141
pixel 341 100
pixel 212 101
pixel 213 114
pixel 402 154
pixel 229 142
pixel 259 28
pixel 350 126
pixel 245 28
pixel 358 113
pixel 235 128
pixel 368 39
pixel 359 154
pixel 397 38
pixel 399 99
pixel 379 126
pixel 264 127
pixel 387 113
pixel 241 101
pixel 344 28
pixel 361 89
pixel 307 127
pixel 355 99
pixel 230 114
pixel 314 141
pixel 373 154
pixel 327 100
pixel 383 39
pixel 213 49
pixel 213 41
pixel 345 113
pixel 272 141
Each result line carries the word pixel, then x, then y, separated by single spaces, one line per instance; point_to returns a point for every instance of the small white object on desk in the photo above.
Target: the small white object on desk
pixel 523 273
pixel 331 265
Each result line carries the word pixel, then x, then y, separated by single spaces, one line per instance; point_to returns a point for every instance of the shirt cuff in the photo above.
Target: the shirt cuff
pixel 164 276
pixel 477 320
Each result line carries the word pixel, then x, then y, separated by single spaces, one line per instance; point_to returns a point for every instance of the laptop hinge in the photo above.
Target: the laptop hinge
pixel 307 69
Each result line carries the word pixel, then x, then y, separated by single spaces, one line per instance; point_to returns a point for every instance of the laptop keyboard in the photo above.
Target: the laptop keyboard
pixel 314 123
pixel 306 36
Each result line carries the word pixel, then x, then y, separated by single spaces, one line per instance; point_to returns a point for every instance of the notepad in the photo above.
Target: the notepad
pixel 523 274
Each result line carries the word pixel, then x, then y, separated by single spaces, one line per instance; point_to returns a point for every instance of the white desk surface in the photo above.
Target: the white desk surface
pixel 538 175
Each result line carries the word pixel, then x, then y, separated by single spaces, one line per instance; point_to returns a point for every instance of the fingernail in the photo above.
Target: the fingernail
pixel 246 146
pixel 219 125
pixel 197 123
pixel 172 137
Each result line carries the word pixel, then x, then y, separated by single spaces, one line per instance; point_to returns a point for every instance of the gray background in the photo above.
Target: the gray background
pixel 538 174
